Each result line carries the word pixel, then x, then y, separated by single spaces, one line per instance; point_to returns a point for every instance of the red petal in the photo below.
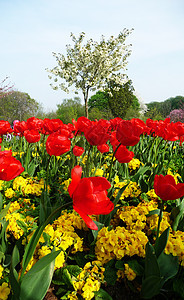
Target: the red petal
pixel 76 177
pixel 89 222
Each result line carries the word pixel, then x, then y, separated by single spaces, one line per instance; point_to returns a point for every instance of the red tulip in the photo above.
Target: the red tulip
pixel 10 167
pixel 89 196
pixel 34 123
pixel 32 136
pixel 128 133
pixel 103 148
pixel 78 151
pixel 5 127
pixel 19 128
pixel 97 134
pixel 123 155
pixel 51 125
pixel 167 189
pixel 57 144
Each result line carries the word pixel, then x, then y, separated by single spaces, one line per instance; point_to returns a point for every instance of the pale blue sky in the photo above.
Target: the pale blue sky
pixel 31 30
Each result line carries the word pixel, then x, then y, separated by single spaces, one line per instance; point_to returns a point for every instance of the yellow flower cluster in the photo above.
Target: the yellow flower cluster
pixel 88 281
pixel 119 242
pixel 9 193
pixel 128 272
pixel 62 236
pixel 132 190
pixel 151 194
pixel 97 172
pixel 152 222
pixel 134 164
pixel 29 186
pixel 65 184
pixel 135 217
pixel 175 245
pixel 4 291
pixel 12 216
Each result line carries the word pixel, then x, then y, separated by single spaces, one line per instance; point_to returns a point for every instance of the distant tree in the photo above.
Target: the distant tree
pixel 177 115
pixel 99 101
pixel 17 105
pixel 5 88
pixel 120 98
pixel 164 108
pixel 88 67
pixel 133 110
pixel 70 109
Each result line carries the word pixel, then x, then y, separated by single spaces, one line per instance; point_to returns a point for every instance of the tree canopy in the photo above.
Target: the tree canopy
pixel 117 99
pixel 17 106
pixel 70 109
pixel 89 66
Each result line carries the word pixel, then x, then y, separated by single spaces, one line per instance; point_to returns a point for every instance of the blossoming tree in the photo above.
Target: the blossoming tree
pixel 89 67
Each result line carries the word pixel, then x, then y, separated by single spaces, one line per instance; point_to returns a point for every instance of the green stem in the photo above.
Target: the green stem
pixel 159 220
pixel 112 160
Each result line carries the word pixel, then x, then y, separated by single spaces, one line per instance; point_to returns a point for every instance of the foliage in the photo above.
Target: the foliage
pixel 120 98
pixel 87 67
pixel 70 109
pixel 164 108
pixel 17 106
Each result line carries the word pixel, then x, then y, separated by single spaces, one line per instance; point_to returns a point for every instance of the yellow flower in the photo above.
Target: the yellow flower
pixel 1 271
pixel 9 193
pixel 72 296
pixel 134 164
pixel 130 274
pixel 4 291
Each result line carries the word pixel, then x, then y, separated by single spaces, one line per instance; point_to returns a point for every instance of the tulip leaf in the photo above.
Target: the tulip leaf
pixel 151 264
pixel 37 280
pixel 153 212
pixel 13 273
pixel 151 287
pixel 162 242
pixel 1 202
pixel 168 265
pixel 95 232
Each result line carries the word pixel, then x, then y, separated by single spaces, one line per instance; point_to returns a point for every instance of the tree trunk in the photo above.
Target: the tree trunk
pixel 86 102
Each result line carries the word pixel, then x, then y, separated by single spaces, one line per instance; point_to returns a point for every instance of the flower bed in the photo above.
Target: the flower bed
pixel 91 210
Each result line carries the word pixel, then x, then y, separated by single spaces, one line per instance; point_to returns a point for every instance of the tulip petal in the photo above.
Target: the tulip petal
pixel 76 177
pixel 89 222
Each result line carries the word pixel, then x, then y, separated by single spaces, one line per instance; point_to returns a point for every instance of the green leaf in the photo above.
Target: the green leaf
pixel 37 280
pixel 22 225
pixel 153 212
pixel 168 265
pixel 4 210
pixel 29 250
pixel 74 270
pixel 95 232
pixel 13 273
pixel 136 267
pixel 110 275
pixel 151 264
pixel 178 286
pixel 102 295
pixel 119 265
pixel 151 287
pixel 67 278
pixel 1 202
pixel 162 242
